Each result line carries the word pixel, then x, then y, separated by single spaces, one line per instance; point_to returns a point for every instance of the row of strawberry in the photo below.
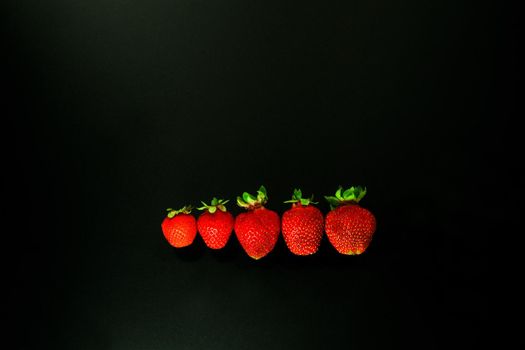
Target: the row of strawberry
pixel 348 226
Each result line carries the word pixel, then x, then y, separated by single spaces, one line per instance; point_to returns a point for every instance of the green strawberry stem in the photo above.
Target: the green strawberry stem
pixel 297 197
pixel 215 204
pixel 250 202
pixel 351 195
pixel 184 210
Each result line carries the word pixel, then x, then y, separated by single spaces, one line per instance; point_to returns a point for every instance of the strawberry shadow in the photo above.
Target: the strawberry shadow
pixel 193 252
pixel 326 257
pixel 280 257
pixel 229 253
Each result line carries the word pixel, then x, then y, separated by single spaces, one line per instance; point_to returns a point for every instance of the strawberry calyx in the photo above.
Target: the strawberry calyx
pixel 215 204
pixel 297 198
pixel 250 202
pixel 351 195
pixel 184 210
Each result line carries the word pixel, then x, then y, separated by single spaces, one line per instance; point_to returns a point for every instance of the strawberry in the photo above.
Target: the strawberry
pixel 258 229
pixel 215 226
pixel 302 225
pixel 179 227
pixel 349 227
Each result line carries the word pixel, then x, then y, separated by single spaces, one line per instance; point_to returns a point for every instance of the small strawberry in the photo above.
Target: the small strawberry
pixel 258 229
pixel 179 227
pixel 215 226
pixel 302 225
pixel 348 226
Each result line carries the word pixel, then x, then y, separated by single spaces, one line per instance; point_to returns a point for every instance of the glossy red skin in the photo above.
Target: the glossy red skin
pixel 302 228
pixel 180 231
pixel 215 229
pixel 257 230
pixel 350 228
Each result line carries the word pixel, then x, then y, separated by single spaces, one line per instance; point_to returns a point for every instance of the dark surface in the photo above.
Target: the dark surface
pixel 124 108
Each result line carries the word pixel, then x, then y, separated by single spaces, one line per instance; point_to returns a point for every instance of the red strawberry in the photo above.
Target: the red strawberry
pixel 258 229
pixel 179 227
pixel 348 226
pixel 302 225
pixel 215 226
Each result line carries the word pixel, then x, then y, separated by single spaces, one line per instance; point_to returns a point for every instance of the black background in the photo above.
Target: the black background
pixel 123 108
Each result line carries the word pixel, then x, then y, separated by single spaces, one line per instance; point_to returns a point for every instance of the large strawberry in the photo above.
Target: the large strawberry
pixel 215 226
pixel 302 225
pixel 258 229
pixel 349 227
pixel 179 227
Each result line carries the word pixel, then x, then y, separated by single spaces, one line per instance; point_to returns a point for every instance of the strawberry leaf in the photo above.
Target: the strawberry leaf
pixel 248 198
pixel 249 201
pixel 338 193
pixel 184 210
pixel 361 194
pixel 351 195
pixel 333 201
pixel 241 203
